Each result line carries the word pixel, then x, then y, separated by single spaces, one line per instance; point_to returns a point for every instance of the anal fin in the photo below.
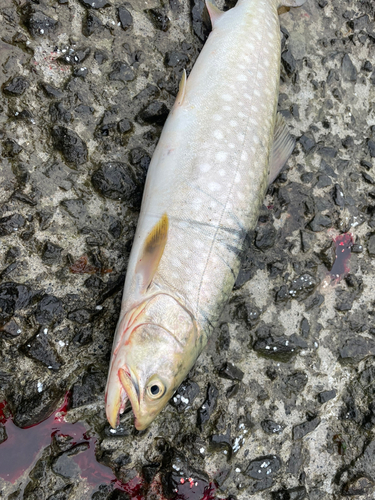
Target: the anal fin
pixel 181 89
pixel 283 145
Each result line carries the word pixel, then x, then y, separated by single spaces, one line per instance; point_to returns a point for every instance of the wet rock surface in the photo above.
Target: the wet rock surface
pixel 281 404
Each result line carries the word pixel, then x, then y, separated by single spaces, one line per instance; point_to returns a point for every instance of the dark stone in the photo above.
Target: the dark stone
pixel 158 19
pixel 302 286
pixel 366 164
pixel 95 4
pixel 10 224
pixel 359 23
pixel 338 195
pixel 325 396
pixel 40 349
pixel 88 389
pixel 125 18
pixel 3 434
pixel 70 144
pixel 121 72
pixel 288 62
pixel 300 430
pixel 8 270
pixel 370 244
pixel 294 383
pixel 100 57
pixel 221 442
pixel 358 486
pixel 80 72
pixel 81 316
pixel 348 69
pixel 208 406
pixel 297 493
pixel 367 178
pixel 279 348
pixel 328 151
pixel 83 336
pixel 176 60
pixel 265 236
pixel 24 198
pixel 323 181
pixel 344 300
pixel 65 466
pixel 49 310
pixel 371 147
pixel 76 57
pixel 307 143
pixel 115 180
pixel 368 66
pixel 51 253
pixel 230 372
pixel 201 19
pixel 139 157
pixel 305 328
pixel 91 24
pixel 10 330
pixel 185 395
pixel 296 459
pixel 51 91
pixel 124 126
pixel 356 349
pixel 262 469
pixel 232 391
pixel 58 112
pixel 156 112
pixel 320 222
pixel 307 240
pixel 271 427
pixel 39 24
pixel 11 148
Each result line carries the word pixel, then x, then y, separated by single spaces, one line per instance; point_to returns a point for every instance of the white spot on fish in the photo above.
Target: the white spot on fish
pixel 231 145
pixel 227 97
pixel 241 137
pixel 221 156
pixel 233 123
pixel 221 172
pixel 204 167
pixel 240 195
pixel 218 134
pixel 241 115
pixel 237 178
pixel 217 117
pixel 257 93
pixel 242 78
pixel 198 244
pixel 247 96
pixel 227 108
pixel 214 186
pixel 244 156
pixel 256 139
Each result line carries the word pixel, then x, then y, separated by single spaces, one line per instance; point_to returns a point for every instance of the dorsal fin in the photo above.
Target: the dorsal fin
pixel 214 11
pixel 182 89
pixel 283 145
pixel 152 252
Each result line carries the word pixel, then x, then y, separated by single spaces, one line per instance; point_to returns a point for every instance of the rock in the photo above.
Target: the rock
pixel 348 69
pixel 271 427
pixel 75 208
pixel 325 396
pixel 51 253
pixel 121 72
pixel 81 316
pixel 115 180
pixel 39 24
pixel 262 469
pixel 176 60
pixel 297 493
pixel 358 486
pixel 87 390
pixel 371 147
pixel 40 349
pixel 58 112
pixel 307 143
pixel 159 19
pixel 208 406
pixel 124 126
pixel 280 348
pixel 320 222
pixel 10 330
pixel 230 372
pixel 265 237
pixel 300 430
pixel 11 148
pixel 185 396
pixel 95 4
pixel 288 62
pixel 16 86
pixel 70 144
pixel 125 18
pixel 356 349
pixel 76 56
pixel 91 24
pixel 302 287
pixel 294 383
pixel 66 467
pixel 156 112
pixel 359 23
pixel 338 196
pixel 139 157
pixel 49 310
pixel 83 336
pixel 3 434
pixel 51 92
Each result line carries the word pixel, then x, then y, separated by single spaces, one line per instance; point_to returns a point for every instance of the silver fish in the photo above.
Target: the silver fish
pixel 221 146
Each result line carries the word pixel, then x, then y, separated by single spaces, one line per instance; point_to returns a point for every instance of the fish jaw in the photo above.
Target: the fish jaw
pixel 115 399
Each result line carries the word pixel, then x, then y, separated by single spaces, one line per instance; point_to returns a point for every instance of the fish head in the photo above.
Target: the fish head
pixel 146 370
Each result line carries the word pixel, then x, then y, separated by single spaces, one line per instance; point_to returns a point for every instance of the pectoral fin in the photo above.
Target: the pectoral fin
pixel 283 145
pixel 152 252
pixel 182 89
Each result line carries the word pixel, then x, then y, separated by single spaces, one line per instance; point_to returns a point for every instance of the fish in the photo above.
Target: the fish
pixel 222 144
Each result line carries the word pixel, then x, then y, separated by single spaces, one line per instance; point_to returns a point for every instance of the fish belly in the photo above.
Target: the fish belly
pixel 209 172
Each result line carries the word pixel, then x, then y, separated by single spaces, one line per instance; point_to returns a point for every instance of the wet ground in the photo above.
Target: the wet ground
pixel 281 405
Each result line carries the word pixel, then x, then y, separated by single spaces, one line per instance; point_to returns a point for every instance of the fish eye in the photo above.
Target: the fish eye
pixel 155 389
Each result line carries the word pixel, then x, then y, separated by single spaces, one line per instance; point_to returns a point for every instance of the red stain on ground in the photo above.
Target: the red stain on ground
pixel 81 266
pixel 343 245
pixel 20 450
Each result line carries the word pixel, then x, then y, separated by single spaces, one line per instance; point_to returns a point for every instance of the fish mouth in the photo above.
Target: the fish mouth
pixel 122 386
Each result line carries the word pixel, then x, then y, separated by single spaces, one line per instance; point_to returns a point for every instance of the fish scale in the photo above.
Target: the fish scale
pixel 207 178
